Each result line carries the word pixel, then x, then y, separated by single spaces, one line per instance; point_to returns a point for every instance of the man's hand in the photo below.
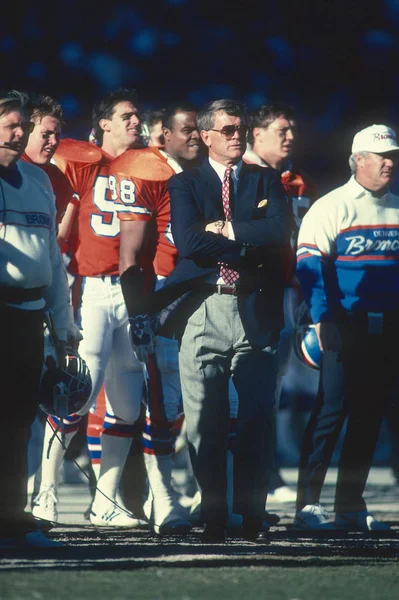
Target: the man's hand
pixel 74 335
pixel 142 336
pixel 329 336
pixel 218 227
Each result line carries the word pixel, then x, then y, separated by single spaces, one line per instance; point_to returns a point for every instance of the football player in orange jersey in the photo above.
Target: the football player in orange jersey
pixel 95 258
pixel 46 114
pixel 139 184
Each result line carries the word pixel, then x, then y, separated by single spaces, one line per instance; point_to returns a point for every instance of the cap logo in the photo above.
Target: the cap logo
pixel 383 136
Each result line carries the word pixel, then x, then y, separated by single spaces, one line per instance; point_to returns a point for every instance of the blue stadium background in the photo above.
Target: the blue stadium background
pixel 335 62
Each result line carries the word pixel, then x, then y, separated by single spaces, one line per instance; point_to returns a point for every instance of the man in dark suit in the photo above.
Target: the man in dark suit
pixel 231 224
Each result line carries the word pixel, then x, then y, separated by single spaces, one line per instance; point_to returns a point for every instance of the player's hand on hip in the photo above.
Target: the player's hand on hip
pixel 329 336
pixel 142 336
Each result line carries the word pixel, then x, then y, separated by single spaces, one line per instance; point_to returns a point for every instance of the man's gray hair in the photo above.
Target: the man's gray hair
pixel 352 160
pixel 206 116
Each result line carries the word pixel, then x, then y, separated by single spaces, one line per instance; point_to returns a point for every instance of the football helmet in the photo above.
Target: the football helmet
pixel 65 390
pixel 306 343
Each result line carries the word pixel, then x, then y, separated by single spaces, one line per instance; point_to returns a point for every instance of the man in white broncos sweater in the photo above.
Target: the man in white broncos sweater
pixel 348 268
pixel 31 277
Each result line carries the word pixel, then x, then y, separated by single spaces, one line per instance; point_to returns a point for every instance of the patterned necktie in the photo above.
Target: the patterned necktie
pixel 229 276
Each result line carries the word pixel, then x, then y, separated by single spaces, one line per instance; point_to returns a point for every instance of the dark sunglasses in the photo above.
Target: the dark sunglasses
pixel 228 131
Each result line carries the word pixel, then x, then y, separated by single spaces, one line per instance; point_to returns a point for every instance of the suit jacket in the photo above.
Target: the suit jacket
pixel 196 200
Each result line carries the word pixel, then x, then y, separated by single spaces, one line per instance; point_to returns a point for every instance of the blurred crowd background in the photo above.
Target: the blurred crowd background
pixel 334 61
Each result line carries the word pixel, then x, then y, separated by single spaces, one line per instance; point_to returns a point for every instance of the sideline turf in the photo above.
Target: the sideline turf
pixel 378 581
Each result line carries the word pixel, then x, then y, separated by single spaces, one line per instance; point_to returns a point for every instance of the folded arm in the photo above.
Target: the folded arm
pixel 195 242
pixel 274 223
pixel 188 228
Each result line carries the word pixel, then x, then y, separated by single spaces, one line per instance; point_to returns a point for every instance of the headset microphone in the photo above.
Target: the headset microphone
pixel 11 145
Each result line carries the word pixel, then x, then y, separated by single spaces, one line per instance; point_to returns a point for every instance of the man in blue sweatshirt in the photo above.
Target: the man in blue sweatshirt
pixel 348 268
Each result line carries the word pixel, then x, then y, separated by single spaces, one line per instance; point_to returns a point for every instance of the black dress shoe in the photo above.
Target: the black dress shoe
pixel 271 518
pixel 213 534
pixel 252 530
pixel 254 535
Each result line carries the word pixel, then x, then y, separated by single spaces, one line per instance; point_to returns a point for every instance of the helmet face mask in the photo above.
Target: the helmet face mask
pixel 65 391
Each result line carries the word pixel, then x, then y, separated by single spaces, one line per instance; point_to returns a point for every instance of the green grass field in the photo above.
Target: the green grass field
pixel 352 582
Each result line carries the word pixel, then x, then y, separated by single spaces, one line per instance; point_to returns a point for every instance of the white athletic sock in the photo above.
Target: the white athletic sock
pixel 96 469
pixel 113 457
pixel 159 471
pixel 52 461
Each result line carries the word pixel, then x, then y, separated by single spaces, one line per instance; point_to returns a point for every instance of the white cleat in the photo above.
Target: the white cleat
pixel 45 504
pixel 168 520
pixel 174 524
pixel 313 517
pixel 112 517
pixel 361 520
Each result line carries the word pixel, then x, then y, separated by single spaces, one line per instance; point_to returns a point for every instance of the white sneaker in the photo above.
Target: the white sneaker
pixel 282 494
pixel 45 504
pixel 171 522
pixel 313 517
pixel 359 521
pixel 112 517
pixel 174 524
pixel 165 515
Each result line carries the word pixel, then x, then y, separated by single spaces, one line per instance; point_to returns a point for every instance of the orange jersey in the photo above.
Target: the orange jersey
pixel 138 180
pixel 94 241
pixel 63 191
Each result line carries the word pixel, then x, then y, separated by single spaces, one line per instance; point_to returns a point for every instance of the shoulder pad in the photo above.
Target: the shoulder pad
pixel 144 164
pixel 78 152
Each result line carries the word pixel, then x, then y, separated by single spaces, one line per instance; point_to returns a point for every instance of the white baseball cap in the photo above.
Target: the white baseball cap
pixel 376 138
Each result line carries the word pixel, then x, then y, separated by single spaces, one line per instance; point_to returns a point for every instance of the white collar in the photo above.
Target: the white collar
pixel 254 158
pixel 221 169
pixel 172 162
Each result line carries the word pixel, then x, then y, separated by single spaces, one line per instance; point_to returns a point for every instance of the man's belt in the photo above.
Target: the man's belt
pixel 13 295
pixel 231 290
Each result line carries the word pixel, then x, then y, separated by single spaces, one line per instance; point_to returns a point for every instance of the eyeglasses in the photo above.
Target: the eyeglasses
pixel 228 131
